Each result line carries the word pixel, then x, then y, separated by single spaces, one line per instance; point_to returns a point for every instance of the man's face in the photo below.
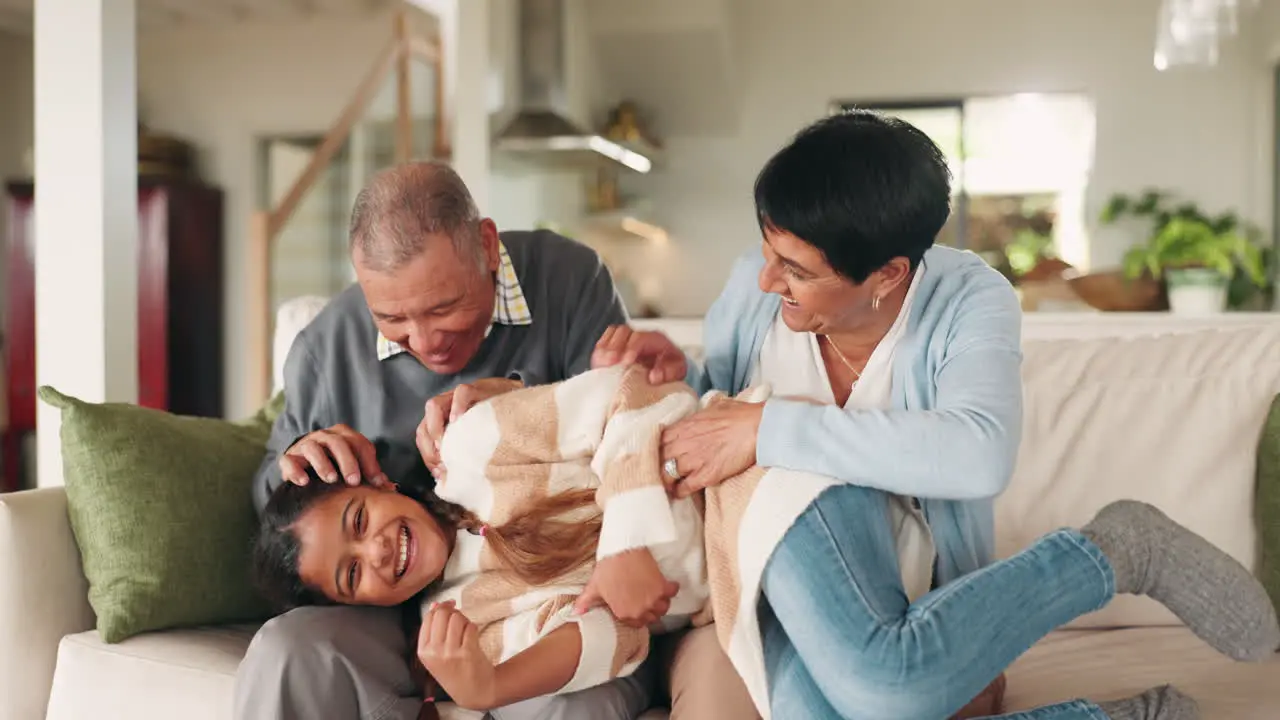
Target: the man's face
pixel 440 304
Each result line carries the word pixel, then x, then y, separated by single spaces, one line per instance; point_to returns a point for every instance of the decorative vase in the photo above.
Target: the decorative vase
pixel 1196 291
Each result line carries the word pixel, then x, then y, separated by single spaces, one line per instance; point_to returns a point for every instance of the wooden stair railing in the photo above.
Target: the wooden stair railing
pixel 266 225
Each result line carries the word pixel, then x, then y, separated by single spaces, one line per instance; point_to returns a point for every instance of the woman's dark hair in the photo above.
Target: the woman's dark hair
pixel 861 187
pixel 539 544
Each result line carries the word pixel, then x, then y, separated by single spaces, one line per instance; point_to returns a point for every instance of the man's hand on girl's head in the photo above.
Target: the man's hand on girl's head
pixel 334 453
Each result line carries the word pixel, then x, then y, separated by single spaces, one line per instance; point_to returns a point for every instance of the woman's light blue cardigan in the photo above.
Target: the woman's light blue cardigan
pixel 951 435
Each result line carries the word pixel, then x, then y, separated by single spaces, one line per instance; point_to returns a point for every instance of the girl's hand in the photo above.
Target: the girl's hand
pixel 631 585
pixel 449 648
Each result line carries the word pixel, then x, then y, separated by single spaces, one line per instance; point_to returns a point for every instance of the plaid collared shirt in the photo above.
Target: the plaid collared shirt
pixel 509 306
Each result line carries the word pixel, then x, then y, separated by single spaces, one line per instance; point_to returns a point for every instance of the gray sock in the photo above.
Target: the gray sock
pixel 1216 597
pixel 1162 703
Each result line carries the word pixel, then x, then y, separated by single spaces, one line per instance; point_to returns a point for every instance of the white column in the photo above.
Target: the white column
pixel 86 209
pixel 464 31
pixel 467 50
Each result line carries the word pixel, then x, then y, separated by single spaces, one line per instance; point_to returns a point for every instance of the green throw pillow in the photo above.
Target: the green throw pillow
pixel 161 508
pixel 1268 498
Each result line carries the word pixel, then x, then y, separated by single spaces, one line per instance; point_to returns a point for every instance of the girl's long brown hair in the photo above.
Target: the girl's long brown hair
pixel 540 544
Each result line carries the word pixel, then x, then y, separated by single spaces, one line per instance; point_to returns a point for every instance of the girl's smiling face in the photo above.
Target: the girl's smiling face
pixel 370 546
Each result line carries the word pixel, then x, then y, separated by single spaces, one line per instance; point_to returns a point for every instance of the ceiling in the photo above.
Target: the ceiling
pixel 15 15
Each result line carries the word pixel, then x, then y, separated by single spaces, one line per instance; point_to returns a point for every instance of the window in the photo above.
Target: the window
pixel 1020 165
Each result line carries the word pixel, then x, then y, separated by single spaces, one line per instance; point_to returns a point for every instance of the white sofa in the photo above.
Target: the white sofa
pixel 1172 419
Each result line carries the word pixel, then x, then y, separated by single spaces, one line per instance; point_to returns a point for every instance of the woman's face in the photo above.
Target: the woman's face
pixel 815 298
pixel 369 546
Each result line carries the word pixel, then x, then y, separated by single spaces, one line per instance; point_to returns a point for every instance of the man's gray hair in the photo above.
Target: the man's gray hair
pixel 402 206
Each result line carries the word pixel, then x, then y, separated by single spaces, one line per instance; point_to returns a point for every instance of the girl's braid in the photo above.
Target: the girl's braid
pixel 449 513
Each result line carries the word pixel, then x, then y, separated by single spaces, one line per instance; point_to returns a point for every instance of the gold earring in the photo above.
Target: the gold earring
pixel 875 302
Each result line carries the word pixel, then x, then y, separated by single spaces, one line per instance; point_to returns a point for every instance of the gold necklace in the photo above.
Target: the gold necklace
pixel 856 375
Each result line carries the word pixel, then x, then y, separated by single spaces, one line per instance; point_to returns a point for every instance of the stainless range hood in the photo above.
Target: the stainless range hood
pixel 541 130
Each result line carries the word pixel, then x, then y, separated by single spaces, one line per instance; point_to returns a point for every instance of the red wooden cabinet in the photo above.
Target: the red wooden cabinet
pixel 180 296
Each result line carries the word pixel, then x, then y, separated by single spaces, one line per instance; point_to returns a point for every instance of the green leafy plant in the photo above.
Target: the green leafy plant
pixel 1027 249
pixel 1160 207
pixel 1243 293
pixel 1183 243
pixel 1183 236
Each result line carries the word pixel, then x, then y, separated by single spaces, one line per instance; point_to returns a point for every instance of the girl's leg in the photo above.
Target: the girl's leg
pixel 835 587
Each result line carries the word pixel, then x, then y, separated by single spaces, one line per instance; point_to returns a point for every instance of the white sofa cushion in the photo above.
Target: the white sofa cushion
pixel 1111 664
pixel 178 673
pixel 188 674
pixel 1172 420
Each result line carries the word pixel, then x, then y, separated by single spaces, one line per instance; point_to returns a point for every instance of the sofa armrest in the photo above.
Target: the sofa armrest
pixel 43 597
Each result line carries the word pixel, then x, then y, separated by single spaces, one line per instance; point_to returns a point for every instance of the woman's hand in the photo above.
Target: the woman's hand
pixel 620 345
pixel 449 648
pixel 712 445
pixel 449 406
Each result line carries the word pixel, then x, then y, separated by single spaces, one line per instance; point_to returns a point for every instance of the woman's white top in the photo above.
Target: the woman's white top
pixel 791 363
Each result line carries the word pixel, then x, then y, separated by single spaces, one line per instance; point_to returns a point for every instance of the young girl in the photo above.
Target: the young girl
pixel 541 486
pixel 548 486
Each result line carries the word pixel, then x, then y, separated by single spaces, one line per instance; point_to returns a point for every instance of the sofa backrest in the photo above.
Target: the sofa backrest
pixel 1173 420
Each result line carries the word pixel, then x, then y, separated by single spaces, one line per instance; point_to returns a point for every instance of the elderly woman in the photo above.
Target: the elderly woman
pixel 894 367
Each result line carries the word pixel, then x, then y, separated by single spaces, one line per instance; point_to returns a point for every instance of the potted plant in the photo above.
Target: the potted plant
pixel 1197 263
pixel 1243 294
pixel 1198 256
pixel 1032 256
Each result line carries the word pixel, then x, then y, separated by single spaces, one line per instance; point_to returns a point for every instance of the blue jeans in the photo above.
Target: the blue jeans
pixel 841 640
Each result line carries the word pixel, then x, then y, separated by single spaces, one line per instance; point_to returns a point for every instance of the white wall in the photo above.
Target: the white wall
pixel 17 120
pixel 1202 132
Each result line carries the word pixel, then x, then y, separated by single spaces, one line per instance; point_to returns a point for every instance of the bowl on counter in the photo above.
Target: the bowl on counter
pixel 1112 291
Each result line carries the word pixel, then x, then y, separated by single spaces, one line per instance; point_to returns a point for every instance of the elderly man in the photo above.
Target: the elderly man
pixel 447 312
